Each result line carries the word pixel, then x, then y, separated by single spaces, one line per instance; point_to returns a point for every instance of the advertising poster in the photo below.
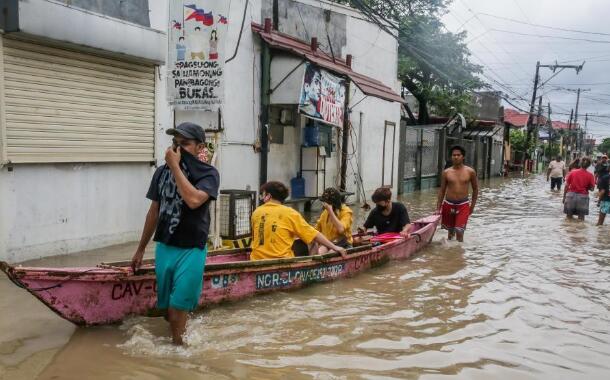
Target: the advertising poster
pixel 197 33
pixel 322 95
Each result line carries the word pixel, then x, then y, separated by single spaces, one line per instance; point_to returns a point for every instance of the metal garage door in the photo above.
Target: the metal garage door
pixel 60 105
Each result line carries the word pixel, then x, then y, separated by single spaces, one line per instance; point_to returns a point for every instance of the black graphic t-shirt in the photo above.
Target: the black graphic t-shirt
pixel 178 225
pixel 394 222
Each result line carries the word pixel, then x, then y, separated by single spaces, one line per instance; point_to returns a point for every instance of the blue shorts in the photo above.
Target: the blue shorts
pixel 604 207
pixel 179 276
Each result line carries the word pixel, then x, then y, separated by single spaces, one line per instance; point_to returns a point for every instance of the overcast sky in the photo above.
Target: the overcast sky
pixel 510 58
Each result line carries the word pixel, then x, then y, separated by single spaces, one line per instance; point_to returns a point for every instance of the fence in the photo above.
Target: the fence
pixel 420 154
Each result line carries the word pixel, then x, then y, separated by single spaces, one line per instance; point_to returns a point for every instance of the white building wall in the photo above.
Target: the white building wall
pixel 375 54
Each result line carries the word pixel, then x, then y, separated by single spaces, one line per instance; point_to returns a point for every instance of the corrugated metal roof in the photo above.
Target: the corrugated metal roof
pixel 367 85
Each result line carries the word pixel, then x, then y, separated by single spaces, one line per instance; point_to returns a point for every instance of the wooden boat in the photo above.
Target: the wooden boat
pixel 110 292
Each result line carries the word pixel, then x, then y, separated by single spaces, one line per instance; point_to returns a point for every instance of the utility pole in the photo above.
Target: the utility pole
pixel 554 68
pixel 578 138
pixel 578 147
pixel 532 104
pixel 537 132
pixel 570 132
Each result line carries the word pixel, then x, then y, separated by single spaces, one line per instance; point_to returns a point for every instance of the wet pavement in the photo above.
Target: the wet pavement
pixel 526 296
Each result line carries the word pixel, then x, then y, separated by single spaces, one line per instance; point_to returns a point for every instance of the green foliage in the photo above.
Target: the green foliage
pixel 517 141
pixel 434 66
pixel 551 150
pixel 604 147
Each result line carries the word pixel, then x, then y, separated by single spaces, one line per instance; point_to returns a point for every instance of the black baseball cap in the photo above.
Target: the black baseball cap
pixel 188 130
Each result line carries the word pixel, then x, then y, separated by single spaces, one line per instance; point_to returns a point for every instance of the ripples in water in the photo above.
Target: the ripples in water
pixel 525 297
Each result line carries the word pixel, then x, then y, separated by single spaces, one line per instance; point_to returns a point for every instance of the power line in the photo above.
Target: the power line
pixel 546 36
pixel 544 26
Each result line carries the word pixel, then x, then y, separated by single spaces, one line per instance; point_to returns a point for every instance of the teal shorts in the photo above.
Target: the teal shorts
pixel 179 276
pixel 604 207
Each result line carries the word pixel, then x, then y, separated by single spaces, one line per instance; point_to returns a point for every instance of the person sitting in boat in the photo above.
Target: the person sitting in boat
pixel 276 227
pixel 335 222
pixel 179 217
pixel 388 216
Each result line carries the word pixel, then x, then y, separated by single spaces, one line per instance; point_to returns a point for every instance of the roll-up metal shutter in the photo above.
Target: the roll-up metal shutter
pixel 63 105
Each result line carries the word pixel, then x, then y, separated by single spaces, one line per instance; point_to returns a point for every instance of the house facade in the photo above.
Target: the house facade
pixel 84 109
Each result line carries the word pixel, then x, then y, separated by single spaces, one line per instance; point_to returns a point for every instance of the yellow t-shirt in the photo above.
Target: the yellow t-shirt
pixel 327 228
pixel 274 228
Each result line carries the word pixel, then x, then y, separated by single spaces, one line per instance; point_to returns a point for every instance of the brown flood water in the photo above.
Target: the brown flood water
pixel 525 297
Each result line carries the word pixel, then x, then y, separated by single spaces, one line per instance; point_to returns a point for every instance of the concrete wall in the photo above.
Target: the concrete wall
pixel 129 10
pixel 374 54
pixel 55 209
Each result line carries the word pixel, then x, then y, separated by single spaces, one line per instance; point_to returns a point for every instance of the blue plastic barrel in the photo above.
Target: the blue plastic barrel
pixel 297 187
pixel 312 135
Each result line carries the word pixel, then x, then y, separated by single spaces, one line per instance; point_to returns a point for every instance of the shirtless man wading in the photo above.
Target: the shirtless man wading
pixel 453 202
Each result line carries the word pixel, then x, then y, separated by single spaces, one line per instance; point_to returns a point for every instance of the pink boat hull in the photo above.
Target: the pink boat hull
pixel 105 294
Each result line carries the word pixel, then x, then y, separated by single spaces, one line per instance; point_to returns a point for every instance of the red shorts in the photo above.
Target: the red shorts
pixel 454 215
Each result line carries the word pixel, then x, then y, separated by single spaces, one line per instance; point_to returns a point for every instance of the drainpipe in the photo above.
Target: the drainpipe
pixel 265 101
pixel 346 127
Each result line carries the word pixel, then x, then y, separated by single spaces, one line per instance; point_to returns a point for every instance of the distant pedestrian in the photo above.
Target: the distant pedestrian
pixel 453 203
pixel 603 161
pixel 575 164
pixel 556 172
pixel 576 192
pixel 603 185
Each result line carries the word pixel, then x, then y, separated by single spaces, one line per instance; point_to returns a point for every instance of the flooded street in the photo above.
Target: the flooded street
pixel 526 296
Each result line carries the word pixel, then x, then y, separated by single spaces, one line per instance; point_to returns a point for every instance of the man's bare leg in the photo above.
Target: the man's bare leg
pixel 177 323
pixel 600 219
pixel 450 235
pixel 581 217
pixel 460 236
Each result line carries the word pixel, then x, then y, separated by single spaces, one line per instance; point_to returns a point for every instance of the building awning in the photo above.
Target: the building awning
pixel 367 85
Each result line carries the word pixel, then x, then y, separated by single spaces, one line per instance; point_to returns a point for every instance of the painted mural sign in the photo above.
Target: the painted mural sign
pixel 322 95
pixel 286 278
pixel 195 64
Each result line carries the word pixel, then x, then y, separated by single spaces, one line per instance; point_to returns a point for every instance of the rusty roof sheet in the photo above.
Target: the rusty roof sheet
pixel 367 85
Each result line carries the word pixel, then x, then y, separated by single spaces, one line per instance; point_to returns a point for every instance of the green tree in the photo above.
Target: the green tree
pixel 434 64
pixel 518 142
pixel 604 147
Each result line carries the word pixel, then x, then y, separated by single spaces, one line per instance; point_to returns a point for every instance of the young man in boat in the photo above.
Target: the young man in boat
pixel 335 222
pixel 387 216
pixel 276 227
pixel 179 217
pixel 453 202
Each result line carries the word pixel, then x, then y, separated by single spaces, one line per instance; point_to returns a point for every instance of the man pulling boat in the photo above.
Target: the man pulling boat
pixel 179 217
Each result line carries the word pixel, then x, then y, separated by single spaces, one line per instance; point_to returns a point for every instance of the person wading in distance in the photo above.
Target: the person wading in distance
pixel 453 202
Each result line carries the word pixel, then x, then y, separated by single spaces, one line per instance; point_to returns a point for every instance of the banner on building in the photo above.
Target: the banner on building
pixel 322 95
pixel 197 34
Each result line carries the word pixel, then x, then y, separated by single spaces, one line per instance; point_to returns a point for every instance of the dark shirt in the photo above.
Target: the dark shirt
pixel 604 184
pixel 178 225
pixel 394 222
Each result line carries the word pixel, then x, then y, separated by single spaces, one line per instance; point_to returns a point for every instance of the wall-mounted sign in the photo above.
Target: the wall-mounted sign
pixel 322 95
pixel 197 33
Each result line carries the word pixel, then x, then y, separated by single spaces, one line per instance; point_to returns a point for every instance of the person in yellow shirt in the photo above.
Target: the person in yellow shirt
pixel 335 222
pixel 276 227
